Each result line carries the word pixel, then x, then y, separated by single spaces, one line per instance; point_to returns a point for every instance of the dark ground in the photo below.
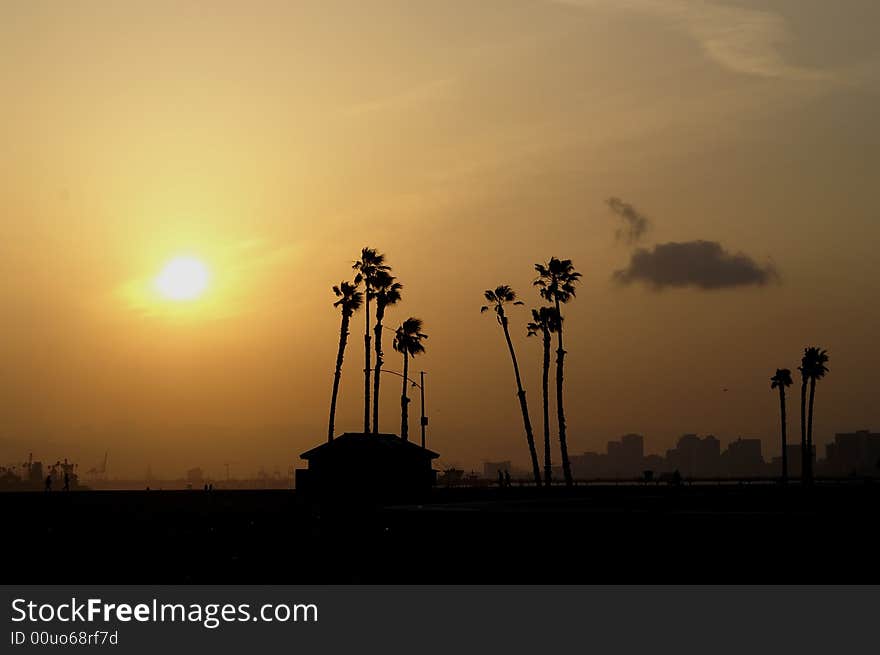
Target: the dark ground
pixel 595 534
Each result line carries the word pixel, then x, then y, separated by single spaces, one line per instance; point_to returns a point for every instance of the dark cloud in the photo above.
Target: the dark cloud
pixel 701 264
pixel 635 224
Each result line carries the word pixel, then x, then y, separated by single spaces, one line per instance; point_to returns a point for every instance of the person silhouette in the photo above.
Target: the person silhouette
pixel 49 482
pixel 506 478
pixel 500 479
pixel 66 481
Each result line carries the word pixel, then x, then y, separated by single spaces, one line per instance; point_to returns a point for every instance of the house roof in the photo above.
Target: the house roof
pixel 353 443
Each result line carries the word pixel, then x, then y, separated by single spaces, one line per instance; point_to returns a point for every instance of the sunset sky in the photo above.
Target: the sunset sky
pixel 467 141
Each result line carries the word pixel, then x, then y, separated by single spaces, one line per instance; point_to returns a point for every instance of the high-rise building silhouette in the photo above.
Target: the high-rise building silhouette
pixel 795 463
pixel 853 453
pixel 743 459
pixel 694 457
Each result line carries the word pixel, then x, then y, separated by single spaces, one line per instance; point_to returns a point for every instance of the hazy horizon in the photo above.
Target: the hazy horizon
pixel 710 168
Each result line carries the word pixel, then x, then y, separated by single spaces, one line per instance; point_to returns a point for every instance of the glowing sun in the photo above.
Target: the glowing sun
pixel 183 278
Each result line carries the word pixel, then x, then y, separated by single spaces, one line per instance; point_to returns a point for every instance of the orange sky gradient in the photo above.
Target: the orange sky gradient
pixel 467 141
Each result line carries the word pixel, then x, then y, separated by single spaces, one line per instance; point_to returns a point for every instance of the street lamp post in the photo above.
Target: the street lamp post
pixel 421 387
pixel 423 421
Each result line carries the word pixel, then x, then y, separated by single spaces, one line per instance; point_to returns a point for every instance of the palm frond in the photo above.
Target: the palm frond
pixel 386 289
pixel 556 280
pixel 813 363
pixel 501 295
pixel 370 267
pixel 782 378
pixel 350 299
pixel 408 337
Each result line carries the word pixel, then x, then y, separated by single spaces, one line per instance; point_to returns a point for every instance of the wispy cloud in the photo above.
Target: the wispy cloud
pixel 740 39
pixel 634 223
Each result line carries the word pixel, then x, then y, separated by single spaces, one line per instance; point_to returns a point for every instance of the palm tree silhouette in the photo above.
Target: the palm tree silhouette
pixel 368 267
pixel 544 322
pixel 498 298
pixel 556 281
pixel 812 368
pixel 408 341
pixel 350 300
pixel 386 291
pixel 781 380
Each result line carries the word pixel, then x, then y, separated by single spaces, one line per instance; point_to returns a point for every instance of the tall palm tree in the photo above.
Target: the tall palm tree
pixel 812 368
pixel 408 341
pixel 781 380
pixel 556 283
pixel 804 380
pixel 499 297
pixel 368 267
pixel 544 322
pixel 386 291
pixel 350 300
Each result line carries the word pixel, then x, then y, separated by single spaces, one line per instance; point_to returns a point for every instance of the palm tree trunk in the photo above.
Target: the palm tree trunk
pixel 560 411
pixel 784 436
pixel 545 391
pixel 521 394
pixel 404 401
pixel 377 371
pixel 367 367
pixel 804 431
pixel 810 430
pixel 340 354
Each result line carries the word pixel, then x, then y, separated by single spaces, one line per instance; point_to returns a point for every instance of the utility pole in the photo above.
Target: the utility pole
pixel 424 421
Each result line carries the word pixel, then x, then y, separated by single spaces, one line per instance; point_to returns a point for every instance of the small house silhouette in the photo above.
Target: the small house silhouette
pixel 367 467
